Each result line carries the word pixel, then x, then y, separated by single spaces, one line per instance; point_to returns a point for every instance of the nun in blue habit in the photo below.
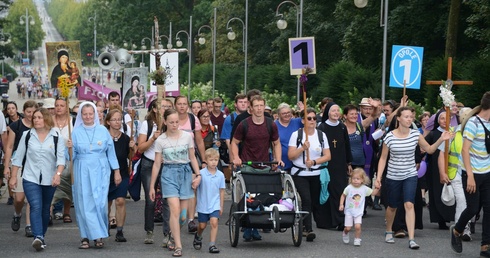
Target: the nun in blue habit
pixel 93 159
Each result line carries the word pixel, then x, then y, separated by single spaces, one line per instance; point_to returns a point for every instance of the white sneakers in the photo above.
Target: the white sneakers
pixel 357 242
pixel 345 237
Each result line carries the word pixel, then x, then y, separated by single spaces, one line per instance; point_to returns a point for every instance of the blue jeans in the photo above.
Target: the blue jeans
pixel 39 197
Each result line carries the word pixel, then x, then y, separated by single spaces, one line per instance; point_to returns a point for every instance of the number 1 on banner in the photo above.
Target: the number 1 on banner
pixel 301 55
pixel 406 64
pixel 303 47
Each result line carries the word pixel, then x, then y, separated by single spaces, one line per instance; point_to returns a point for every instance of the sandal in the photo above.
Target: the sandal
pixel 171 244
pixel 177 252
pixel 112 222
pixel 67 218
pixel 389 237
pixel 84 244
pixel 213 249
pixel 98 243
pixel 198 242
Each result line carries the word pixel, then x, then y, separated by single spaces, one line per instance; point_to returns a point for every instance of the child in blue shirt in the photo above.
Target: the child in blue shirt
pixel 210 200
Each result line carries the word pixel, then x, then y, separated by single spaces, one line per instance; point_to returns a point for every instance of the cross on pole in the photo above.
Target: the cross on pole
pixel 449 76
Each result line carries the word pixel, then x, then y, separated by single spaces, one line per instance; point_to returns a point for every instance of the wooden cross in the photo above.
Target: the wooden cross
pixel 334 143
pixel 448 117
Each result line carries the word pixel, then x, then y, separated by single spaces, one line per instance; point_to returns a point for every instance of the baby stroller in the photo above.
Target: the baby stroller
pixel 259 200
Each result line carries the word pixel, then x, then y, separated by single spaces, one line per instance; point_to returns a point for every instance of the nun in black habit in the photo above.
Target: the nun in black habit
pixel 339 168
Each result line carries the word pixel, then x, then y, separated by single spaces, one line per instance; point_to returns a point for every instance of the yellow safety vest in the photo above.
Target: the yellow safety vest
pixel 454 152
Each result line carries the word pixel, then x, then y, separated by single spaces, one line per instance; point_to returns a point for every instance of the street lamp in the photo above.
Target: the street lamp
pixel 94 19
pixel 282 24
pixel 27 19
pixel 189 52
pixel 202 41
pixel 133 47
pixel 143 47
pixel 169 42
pixel 383 23
pixel 231 36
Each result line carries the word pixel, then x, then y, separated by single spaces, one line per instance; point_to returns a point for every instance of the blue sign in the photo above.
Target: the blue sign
pixel 406 67
pixel 302 55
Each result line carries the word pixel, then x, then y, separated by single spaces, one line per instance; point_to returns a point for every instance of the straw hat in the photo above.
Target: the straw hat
pixel 364 102
pixel 465 116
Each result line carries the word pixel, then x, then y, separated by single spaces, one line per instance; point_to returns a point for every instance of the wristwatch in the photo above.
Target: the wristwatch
pixel 58 173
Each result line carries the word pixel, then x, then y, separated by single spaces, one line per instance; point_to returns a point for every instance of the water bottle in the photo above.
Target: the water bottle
pixel 215 138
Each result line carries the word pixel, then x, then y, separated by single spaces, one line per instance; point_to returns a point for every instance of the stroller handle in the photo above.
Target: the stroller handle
pixel 260 163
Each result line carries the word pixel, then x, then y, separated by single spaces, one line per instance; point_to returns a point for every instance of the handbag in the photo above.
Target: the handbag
pixel 447 195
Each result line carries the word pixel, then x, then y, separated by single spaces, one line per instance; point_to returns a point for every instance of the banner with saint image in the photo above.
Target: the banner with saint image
pixel 135 82
pixel 64 64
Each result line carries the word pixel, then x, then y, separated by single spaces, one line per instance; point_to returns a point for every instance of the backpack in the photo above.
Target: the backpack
pixel 487 135
pixel 268 122
pixel 28 137
pixel 299 142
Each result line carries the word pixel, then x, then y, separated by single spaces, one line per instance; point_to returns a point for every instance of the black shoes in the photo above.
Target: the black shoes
pixel 16 223
pixel 120 237
pixel 456 243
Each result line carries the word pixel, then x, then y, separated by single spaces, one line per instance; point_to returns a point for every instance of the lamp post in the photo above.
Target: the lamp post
pixel 94 19
pixel 27 19
pixel 382 23
pixel 169 42
pixel 133 47
pixel 202 41
pixel 231 36
pixel 282 24
pixel 189 53
pixel 4 40
pixel 143 47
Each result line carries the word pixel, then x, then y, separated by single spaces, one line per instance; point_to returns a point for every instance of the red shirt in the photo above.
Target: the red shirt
pixel 218 120
pixel 255 145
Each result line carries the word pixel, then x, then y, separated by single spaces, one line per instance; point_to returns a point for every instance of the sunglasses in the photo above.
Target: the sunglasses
pixel 311 118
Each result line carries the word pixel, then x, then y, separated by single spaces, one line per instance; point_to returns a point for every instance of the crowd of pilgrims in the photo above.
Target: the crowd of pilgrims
pixel 398 152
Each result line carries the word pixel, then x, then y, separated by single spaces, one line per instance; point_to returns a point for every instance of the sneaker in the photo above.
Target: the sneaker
pixel 58 216
pixel 16 223
pixel 412 245
pixel 10 201
pixel 191 227
pixel 310 236
pixel 247 234
pixel 456 243
pixel 357 242
pixel 149 237
pixel 166 238
pixel 466 234
pixel 400 233
pixel 120 237
pixel 345 237
pixel 38 244
pixel 256 235
pixel 29 231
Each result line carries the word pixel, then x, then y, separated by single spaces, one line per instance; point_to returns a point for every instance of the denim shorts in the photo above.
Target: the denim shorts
pixel 205 217
pixel 176 181
pixel 401 191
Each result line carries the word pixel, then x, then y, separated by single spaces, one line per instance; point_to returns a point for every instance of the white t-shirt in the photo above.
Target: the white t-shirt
pixel 355 198
pixel 315 152
pixel 175 151
pixel 150 152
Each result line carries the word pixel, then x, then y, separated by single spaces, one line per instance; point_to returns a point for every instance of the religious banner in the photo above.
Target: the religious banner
pixel 135 88
pixel 64 61
pixel 169 61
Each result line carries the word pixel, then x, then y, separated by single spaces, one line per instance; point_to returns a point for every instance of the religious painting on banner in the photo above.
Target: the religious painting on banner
pixel 169 61
pixel 134 88
pixel 64 64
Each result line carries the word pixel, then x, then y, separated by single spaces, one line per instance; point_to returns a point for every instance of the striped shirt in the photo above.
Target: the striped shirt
pixel 474 132
pixel 401 164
